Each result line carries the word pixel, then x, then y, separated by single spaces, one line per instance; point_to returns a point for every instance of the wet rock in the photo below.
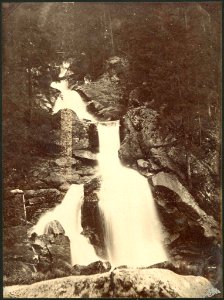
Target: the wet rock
pixel 93 268
pixel 48 193
pixel 60 250
pixel 91 220
pixel 39 201
pixel 65 161
pixel 106 96
pixel 158 283
pixel 54 227
pixel 35 211
pixel 91 186
pixel 142 163
pixel 64 187
pixel 164 161
pixel 134 283
pixel 35 201
pixel 130 149
pixel 54 179
pixel 34 183
pixel 85 154
pixel 52 250
pixel 182 267
pixel 187 204
pixel 72 178
pixel 86 171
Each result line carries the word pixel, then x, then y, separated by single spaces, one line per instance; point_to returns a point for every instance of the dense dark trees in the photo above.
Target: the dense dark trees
pixel 173 47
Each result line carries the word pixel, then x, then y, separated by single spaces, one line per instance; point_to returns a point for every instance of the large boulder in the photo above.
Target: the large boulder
pixel 52 250
pixel 107 92
pixel 134 283
pixel 54 227
pixel 93 268
pixel 85 154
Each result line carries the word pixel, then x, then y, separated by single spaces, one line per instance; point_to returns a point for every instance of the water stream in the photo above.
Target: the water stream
pixel 132 227
pixel 68 213
pixel 71 100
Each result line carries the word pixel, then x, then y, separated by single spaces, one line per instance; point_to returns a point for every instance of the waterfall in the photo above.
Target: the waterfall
pixel 69 99
pixel 68 213
pixel 132 227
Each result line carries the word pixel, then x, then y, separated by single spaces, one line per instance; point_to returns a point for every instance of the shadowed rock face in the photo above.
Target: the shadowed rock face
pixel 93 268
pixel 54 227
pixel 92 222
pixel 188 204
pixel 134 283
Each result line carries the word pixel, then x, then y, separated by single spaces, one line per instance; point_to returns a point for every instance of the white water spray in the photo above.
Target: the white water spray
pixel 68 213
pixel 132 228
pixel 69 99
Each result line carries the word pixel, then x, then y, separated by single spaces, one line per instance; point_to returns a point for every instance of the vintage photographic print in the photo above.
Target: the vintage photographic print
pixel 112 149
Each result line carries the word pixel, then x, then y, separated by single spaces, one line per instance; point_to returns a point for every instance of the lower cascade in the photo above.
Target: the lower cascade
pixel 68 213
pixel 132 227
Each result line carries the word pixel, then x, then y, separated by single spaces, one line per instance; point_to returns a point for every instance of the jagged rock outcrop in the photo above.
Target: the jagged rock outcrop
pixel 40 201
pixel 143 140
pixel 96 267
pixel 92 219
pixel 134 283
pixel 106 93
pixel 54 227
pixel 85 154
pixel 187 204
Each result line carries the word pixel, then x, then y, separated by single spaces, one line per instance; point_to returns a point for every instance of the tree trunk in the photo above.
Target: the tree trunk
pixel 186 21
pixel 66 132
pixel 188 159
pixel 30 92
pixel 199 122
pixel 111 35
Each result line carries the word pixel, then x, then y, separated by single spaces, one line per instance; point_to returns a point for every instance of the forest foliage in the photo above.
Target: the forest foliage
pixel 173 49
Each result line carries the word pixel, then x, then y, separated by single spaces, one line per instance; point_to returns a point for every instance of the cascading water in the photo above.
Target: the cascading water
pixel 68 213
pixel 69 99
pixel 132 228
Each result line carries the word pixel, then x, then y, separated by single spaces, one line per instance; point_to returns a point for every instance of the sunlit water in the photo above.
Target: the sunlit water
pixel 68 213
pixel 132 227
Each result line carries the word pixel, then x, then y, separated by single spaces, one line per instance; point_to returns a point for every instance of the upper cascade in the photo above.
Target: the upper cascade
pixel 69 99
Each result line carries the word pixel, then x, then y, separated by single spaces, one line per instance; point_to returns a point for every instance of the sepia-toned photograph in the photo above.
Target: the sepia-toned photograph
pixel 112 149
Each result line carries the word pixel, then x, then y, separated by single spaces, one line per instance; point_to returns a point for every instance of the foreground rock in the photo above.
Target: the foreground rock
pixel 134 283
pixel 93 268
